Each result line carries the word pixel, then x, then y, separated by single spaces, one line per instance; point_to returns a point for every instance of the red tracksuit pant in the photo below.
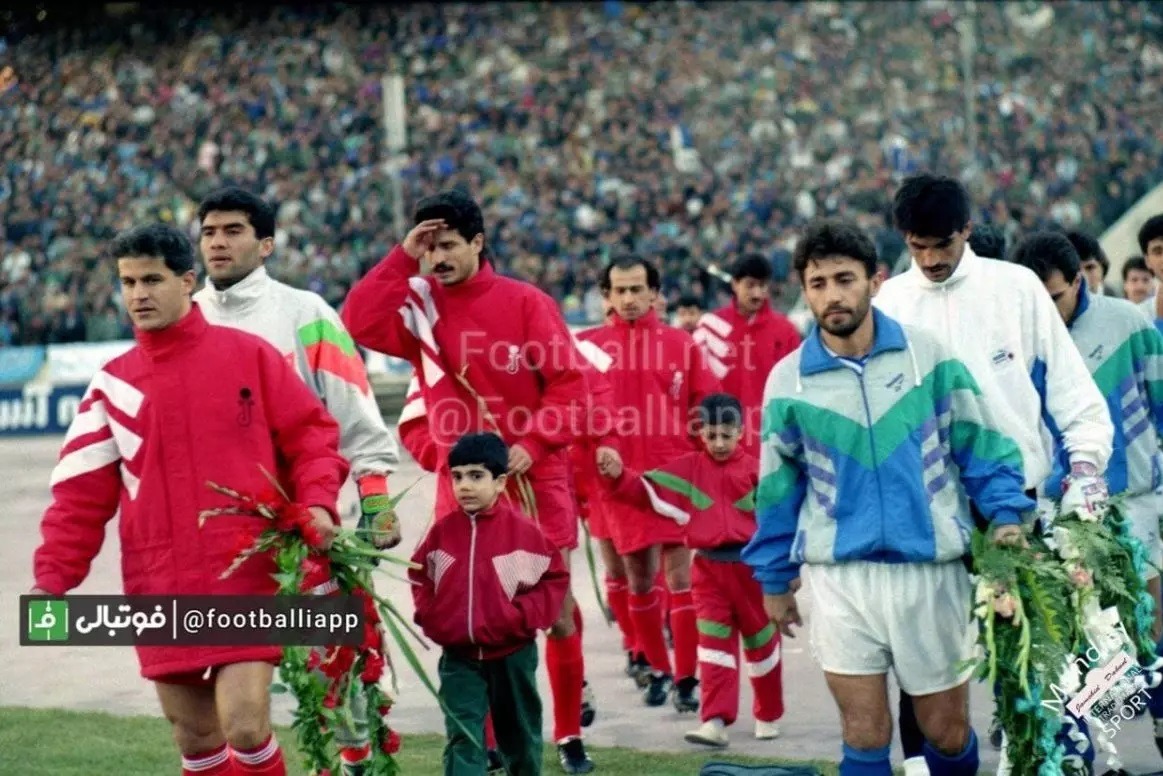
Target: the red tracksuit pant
pixel 729 605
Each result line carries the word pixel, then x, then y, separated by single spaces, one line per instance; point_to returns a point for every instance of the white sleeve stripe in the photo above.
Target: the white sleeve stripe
pixel 717 367
pixel 88 458
pixel 424 291
pixel 713 344
pixel 130 481
pixel 601 360
pixel 412 410
pixel 121 395
pixel 128 442
pixel 92 419
pixel 716 324
pixel 663 507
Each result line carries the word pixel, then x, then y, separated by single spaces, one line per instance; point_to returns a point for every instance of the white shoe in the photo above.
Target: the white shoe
pixel 765 731
pixel 916 766
pixel 710 733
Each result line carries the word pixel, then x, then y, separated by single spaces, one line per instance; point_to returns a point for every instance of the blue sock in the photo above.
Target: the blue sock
pixel 964 764
pixel 866 762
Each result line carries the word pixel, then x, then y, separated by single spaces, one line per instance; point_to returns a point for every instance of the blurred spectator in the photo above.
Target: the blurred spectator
pixel 1138 282
pixel 988 241
pixel 1093 261
pixel 692 133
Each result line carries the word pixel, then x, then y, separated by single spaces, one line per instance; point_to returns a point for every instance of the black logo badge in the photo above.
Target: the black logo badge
pixel 245 404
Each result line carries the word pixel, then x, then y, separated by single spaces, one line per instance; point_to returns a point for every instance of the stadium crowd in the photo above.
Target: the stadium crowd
pixel 689 132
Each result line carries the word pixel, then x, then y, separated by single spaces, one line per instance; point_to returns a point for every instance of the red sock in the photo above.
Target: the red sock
pixel 647 616
pixel 685 631
pixel 563 662
pixel 490 734
pixel 616 594
pixel 266 760
pixel 216 762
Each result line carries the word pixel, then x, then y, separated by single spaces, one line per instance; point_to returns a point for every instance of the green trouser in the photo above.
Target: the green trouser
pixel 508 687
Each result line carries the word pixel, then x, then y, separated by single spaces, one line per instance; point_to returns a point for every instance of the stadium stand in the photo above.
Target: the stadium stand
pixel 564 119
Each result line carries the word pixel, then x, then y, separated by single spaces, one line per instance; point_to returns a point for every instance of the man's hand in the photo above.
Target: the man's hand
pixel 1011 535
pixel 377 519
pixel 419 240
pixel 609 462
pixel 519 460
pixel 783 612
pixel 1084 492
pixel 325 525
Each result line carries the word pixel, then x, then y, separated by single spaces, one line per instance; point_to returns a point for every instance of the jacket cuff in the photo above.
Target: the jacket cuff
pixel 773 587
pixel 399 255
pixel 1006 517
pixel 53 585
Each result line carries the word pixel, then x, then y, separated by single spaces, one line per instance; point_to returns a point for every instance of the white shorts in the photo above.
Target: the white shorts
pixel 911 617
pixel 1143 516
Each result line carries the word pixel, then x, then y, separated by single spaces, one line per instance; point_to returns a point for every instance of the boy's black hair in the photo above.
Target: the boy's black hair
pixel 987 241
pixel 485 449
pixel 831 238
pixel 1088 248
pixel 160 241
pixel 457 209
pixel 628 261
pixel 260 212
pixel 929 205
pixel 751 265
pixel 1135 263
pixel 721 409
pixel 688 300
pixel 1045 251
pixel 1152 229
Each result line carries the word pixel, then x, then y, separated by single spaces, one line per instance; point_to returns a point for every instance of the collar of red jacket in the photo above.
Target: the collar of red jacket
pixel 173 339
pixel 650 320
pixel 484 277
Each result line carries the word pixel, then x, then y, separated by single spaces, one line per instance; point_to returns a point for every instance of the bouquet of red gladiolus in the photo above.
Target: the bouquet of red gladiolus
pixel 324 680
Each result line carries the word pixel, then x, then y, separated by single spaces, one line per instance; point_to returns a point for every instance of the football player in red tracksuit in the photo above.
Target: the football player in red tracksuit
pixel 488 581
pixel 491 354
pixel 190 403
pixel 658 377
pixel 745 339
pixel 712 493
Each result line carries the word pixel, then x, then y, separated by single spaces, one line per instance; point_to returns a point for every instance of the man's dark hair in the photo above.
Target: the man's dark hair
pixel 1135 263
pixel 834 238
pixel 1151 230
pixel 259 212
pixel 931 206
pixel 487 450
pixel 457 209
pixel 628 261
pixel 1046 251
pixel 1088 248
pixel 988 241
pixel 751 265
pixel 688 300
pixel 158 241
pixel 721 409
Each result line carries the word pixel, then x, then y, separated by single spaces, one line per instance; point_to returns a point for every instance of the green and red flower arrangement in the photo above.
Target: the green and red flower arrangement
pixel 327 682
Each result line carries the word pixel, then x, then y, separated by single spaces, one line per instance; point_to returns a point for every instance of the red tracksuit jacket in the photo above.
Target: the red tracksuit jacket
pixel 714 499
pixel 509 341
pixel 412 427
pixel 658 378
pixel 742 352
pixel 487 583
pixel 189 404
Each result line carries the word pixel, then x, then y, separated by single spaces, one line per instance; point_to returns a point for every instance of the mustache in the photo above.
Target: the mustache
pixel 442 268
pixel 836 309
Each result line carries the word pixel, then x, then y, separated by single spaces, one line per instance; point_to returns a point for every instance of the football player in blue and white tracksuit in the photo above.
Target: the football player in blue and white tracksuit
pixel 997 318
pixel 875 437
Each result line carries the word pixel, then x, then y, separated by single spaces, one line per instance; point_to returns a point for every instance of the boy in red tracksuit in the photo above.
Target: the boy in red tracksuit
pixel 712 493
pixel 489 581
pixel 746 339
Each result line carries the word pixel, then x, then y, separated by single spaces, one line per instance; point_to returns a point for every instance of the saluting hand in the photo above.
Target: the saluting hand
pixel 419 241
